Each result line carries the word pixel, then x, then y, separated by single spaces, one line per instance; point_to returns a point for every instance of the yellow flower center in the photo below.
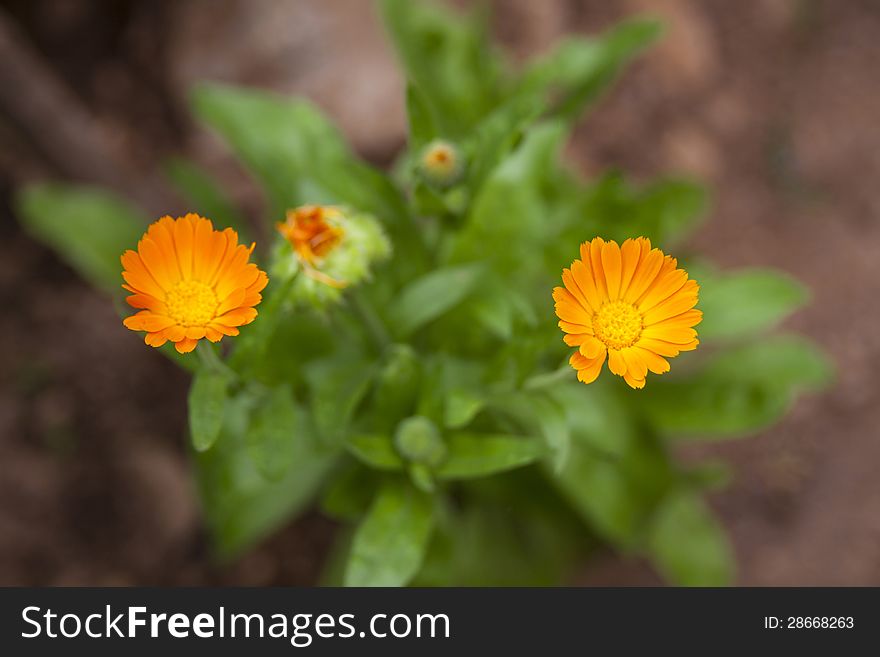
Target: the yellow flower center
pixel 618 324
pixel 191 303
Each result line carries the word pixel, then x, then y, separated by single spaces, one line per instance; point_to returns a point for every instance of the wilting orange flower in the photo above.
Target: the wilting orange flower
pixel 630 303
pixel 311 231
pixel 192 281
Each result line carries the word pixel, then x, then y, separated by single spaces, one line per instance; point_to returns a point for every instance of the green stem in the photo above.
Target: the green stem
pixel 211 360
pixel 371 320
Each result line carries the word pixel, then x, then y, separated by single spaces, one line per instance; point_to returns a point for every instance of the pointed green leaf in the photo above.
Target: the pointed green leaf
pixel 578 70
pixel 740 304
pixel 241 505
pixel 478 455
pixel 375 450
pixel 206 196
pixel 89 228
pixel 422 128
pixel 449 57
pixel 271 435
pixel 688 544
pixel 207 399
pixel 337 387
pixel 462 405
pixel 738 391
pixel 390 543
pixel 430 296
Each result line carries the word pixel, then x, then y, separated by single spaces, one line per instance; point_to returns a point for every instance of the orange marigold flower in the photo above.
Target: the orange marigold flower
pixel 630 303
pixel 312 231
pixel 192 282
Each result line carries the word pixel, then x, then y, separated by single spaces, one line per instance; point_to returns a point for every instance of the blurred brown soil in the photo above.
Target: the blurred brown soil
pixel 773 102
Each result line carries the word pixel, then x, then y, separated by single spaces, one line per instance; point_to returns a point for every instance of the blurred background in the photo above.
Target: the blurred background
pixel 773 103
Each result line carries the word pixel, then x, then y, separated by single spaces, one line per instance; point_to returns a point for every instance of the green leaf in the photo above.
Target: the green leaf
pixel 478 455
pixel 449 58
pixel 747 302
pixel 207 400
pixel 687 544
pixel 375 450
pixel 430 296
pixel 271 435
pixel 538 413
pixel 206 196
pixel 497 136
pixel 89 228
pixel 664 211
pixel 337 387
pixel 513 215
pixel 739 391
pixel 349 492
pixel 422 128
pixel 297 154
pixel 462 405
pixel 514 531
pixel 278 139
pixel 390 543
pixel 241 505
pixel 578 70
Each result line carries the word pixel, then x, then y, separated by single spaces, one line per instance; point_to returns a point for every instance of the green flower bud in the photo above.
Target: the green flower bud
pixel 440 164
pixel 397 386
pixel 328 249
pixel 418 440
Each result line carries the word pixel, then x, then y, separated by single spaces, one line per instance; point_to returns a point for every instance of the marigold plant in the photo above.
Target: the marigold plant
pixel 404 372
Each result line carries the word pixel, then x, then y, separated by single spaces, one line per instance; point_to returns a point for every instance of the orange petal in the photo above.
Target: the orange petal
pixel 616 363
pixel 576 339
pixel 591 348
pixel 589 373
pixel 571 327
pixel 568 308
pixel 183 243
pixel 630 254
pixel 185 346
pixel 237 317
pixel 636 367
pixel 611 267
pixel 572 286
pixel 232 301
pixel 646 272
pixel 656 364
pixel 664 287
pixel 586 283
pixel 670 334
pixel 683 300
pixel 202 247
pixel 633 382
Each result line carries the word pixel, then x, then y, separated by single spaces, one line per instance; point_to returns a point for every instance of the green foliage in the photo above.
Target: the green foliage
pixel 207 400
pixel 205 195
pixel 739 305
pixel 687 543
pixel 738 391
pixel 413 378
pixel 430 296
pixel 478 455
pixel 390 542
pixel 240 503
pixel 89 228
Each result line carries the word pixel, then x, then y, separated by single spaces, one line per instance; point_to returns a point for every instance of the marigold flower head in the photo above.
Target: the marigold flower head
pixel 333 246
pixel 440 162
pixel 191 281
pixel 312 231
pixel 629 303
